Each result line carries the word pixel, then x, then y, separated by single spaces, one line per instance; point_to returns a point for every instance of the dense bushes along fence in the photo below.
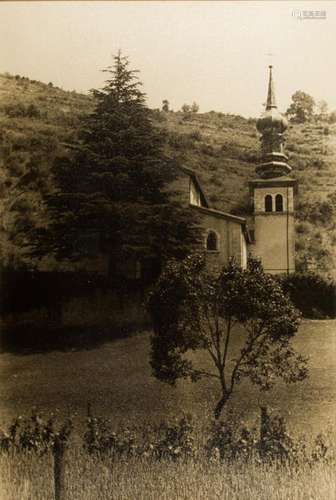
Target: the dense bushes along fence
pixel 170 440
pixel 175 441
pixel 313 295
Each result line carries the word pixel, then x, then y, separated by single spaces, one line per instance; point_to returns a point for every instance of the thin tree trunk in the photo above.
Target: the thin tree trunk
pixel 220 405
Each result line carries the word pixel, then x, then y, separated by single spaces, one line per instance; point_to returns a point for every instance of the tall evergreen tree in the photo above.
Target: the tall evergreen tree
pixel 111 194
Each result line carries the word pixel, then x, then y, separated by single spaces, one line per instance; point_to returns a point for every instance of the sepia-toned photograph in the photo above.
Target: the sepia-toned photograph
pixel 167 250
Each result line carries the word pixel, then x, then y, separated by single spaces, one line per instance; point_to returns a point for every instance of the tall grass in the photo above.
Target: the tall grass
pixel 25 476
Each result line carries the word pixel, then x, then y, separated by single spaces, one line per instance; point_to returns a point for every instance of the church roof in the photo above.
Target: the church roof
pixel 196 181
pixel 219 213
pixel 205 208
pixel 224 215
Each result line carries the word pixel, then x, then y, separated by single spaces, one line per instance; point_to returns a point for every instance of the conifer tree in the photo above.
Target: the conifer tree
pixel 111 195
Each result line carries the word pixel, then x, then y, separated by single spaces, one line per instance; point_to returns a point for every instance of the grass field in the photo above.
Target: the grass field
pixel 116 379
pixel 92 479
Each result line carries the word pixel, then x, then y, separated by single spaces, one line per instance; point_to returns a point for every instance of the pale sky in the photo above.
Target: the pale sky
pixel 214 53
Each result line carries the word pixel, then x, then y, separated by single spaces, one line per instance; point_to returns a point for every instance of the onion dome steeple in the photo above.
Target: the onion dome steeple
pixel 272 125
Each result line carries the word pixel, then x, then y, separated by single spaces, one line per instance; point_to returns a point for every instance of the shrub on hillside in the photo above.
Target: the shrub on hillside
pixel 180 141
pixel 32 111
pixel 318 212
pixel 19 110
pixel 313 295
pixel 195 135
pixel 16 110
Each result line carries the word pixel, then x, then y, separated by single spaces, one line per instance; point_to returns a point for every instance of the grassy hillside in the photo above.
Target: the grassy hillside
pixel 39 121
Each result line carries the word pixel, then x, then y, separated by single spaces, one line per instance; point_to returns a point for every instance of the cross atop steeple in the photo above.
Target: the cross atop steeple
pixel 271 103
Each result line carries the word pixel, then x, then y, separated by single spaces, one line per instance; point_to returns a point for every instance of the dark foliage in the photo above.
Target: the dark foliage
pixel 193 309
pixel 166 441
pixel 225 440
pixel 313 295
pixel 110 194
pixel 35 434
pixel 25 294
pixel 302 107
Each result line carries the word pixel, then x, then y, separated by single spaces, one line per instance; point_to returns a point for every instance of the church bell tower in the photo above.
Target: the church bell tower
pixel 273 193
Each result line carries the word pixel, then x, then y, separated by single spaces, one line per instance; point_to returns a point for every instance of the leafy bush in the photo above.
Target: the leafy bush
pixel 16 110
pixel 274 442
pixel 318 212
pixel 169 440
pixel 313 295
pixel 230 442
pixel 180 141
pixel 303 228
pixel 34 434
pixel 227 442
pixel 33 111
pixel 195 135
pixel 19 110
pixel 207 149
pixel 99 439
pixel 174 440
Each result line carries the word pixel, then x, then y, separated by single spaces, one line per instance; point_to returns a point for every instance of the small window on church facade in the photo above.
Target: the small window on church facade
pixel 278 203
pixel 268 203
pixel 212 242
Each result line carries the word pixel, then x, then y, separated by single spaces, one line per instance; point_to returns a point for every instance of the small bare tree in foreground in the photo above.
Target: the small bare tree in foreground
pixel 193 309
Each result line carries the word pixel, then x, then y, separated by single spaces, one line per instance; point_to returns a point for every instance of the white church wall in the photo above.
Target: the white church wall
pixel 275 242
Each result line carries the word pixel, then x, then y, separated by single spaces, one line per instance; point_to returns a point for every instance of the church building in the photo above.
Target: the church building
pixel 271 235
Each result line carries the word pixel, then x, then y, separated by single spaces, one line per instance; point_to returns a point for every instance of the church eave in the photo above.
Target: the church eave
pixel 274 182
pixel 219 213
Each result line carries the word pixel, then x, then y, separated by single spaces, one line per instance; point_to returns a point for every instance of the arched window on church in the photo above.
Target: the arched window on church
pixel 279 203
pixel 268 203
pixel 212 241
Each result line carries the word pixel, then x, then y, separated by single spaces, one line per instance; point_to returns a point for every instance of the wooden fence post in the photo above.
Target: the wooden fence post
pixel 59 469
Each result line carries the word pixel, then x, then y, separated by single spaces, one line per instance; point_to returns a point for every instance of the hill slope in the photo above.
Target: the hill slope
pixel 39 121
